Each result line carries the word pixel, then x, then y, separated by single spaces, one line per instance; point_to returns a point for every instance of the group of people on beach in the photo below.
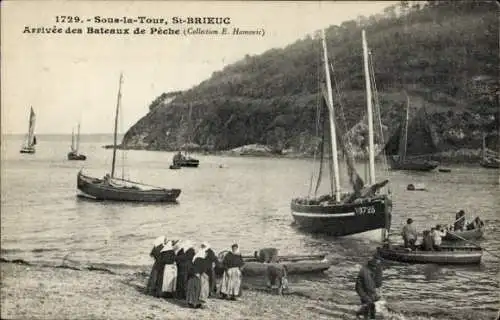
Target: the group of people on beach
pixel 432 239
pixel 186 272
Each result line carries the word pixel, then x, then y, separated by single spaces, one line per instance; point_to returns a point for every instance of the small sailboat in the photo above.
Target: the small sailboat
pixel 116 189
pixel 183 159
pixel 30 141
pixel 489 158
pixel 403 161
pixel 341 214
pixel 75 144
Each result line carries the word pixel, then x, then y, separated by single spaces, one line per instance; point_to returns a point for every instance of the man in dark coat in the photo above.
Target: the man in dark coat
pixel 369 279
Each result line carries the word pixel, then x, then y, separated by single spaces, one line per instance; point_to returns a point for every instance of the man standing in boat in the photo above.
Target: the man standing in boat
pixel 369 279
pixel 409 234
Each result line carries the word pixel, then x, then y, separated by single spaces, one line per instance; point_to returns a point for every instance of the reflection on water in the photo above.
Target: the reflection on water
pixel 246 201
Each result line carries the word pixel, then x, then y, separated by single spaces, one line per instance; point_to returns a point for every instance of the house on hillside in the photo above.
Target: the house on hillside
pixel 484 85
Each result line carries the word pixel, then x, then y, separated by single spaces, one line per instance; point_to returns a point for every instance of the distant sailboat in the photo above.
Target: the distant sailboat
pixel 116 189
pixel 402 161
pixel 185 160
pixel 75 144
pixel 30 142
pixel 489 158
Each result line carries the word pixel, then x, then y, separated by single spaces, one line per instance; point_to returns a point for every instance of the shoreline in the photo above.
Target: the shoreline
pixel 453 157
pixel 60 292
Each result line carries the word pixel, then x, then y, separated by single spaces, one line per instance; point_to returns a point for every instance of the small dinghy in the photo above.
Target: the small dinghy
pixel 444 170
pixel 448 255
pixel 416 187
pixel 466 234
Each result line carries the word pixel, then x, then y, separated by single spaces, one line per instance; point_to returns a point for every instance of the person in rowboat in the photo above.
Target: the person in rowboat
pixel 459 221
pixel 437 234
pixel 409 234
pixel 266 255
pixel 368 281
pixel 427 242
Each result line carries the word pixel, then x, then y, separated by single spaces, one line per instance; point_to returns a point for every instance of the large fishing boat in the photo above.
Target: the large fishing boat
pixel 364 209
pixel 112 188
pixel 30 141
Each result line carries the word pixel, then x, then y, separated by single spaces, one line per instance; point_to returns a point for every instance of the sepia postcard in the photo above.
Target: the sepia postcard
pixel 250 160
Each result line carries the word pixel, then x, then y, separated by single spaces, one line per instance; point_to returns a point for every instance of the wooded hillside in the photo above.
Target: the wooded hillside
pixel 443 53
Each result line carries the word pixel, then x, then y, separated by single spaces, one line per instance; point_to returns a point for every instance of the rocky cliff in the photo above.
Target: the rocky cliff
pixel 444 54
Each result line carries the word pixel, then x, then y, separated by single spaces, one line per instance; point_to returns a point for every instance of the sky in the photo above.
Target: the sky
pixel 72 78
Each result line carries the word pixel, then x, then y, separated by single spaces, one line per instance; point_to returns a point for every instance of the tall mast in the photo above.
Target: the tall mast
pixel 333 134
pixel 371 147
pixel 78 137
pixel 407 119
pixel 73 139
pixel 118 101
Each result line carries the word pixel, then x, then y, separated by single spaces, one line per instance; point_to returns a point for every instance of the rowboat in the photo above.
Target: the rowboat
pixel 295 264
pixel 466 234
pixel 448 255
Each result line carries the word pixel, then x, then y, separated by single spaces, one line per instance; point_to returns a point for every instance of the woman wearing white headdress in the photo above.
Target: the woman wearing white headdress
pixel 184 257
pixel 194 284
pixel 166 287
pixel 155 270
pixel 231 280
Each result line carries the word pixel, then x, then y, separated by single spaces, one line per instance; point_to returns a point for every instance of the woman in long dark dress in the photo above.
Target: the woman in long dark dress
pixel 211 262
pixel 167 281
pixel 194 284
pixel 183 259
pixel 153 276
pixel 231 280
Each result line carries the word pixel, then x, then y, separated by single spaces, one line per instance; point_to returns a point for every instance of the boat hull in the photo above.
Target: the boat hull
pixel 190 163
pixel 28 150
pixel 467 234
pixel 413 164
pixel 97 189
pixel 343 219
pixel 448 255
pixel 76 156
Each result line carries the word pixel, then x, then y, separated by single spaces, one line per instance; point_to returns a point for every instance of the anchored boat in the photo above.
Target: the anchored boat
pixel 341 214
pixel 116 189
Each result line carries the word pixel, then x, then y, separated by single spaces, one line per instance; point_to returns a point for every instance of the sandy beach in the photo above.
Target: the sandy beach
pixel 40 292
pixel 34 292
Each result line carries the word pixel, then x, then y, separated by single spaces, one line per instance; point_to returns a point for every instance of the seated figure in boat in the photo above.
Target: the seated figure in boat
pixel 266 255
pixel 437 234
pixel 177 157
pixel 409 234
pixel 459 221
pixel 477 223
pixel 276 276
pixel 427 242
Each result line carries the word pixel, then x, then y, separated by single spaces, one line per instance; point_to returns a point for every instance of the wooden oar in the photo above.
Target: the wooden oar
pixel 475 244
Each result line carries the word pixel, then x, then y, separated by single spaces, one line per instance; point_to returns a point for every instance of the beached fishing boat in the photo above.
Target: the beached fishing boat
pixel 75 145
pixel 411 158
pixel 466 234
pixel 340 213
pixel 448 255
pixel 116 189
pixel 30 141
pixel 295 264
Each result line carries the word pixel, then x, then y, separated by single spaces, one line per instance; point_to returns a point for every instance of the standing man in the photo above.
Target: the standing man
pixel 368 281
pixel 409 234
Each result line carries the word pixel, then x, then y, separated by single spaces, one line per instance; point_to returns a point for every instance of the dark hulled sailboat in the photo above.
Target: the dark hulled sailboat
pixel 75 145
pixel 363 209
pixel 116 189
pixel 30 141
